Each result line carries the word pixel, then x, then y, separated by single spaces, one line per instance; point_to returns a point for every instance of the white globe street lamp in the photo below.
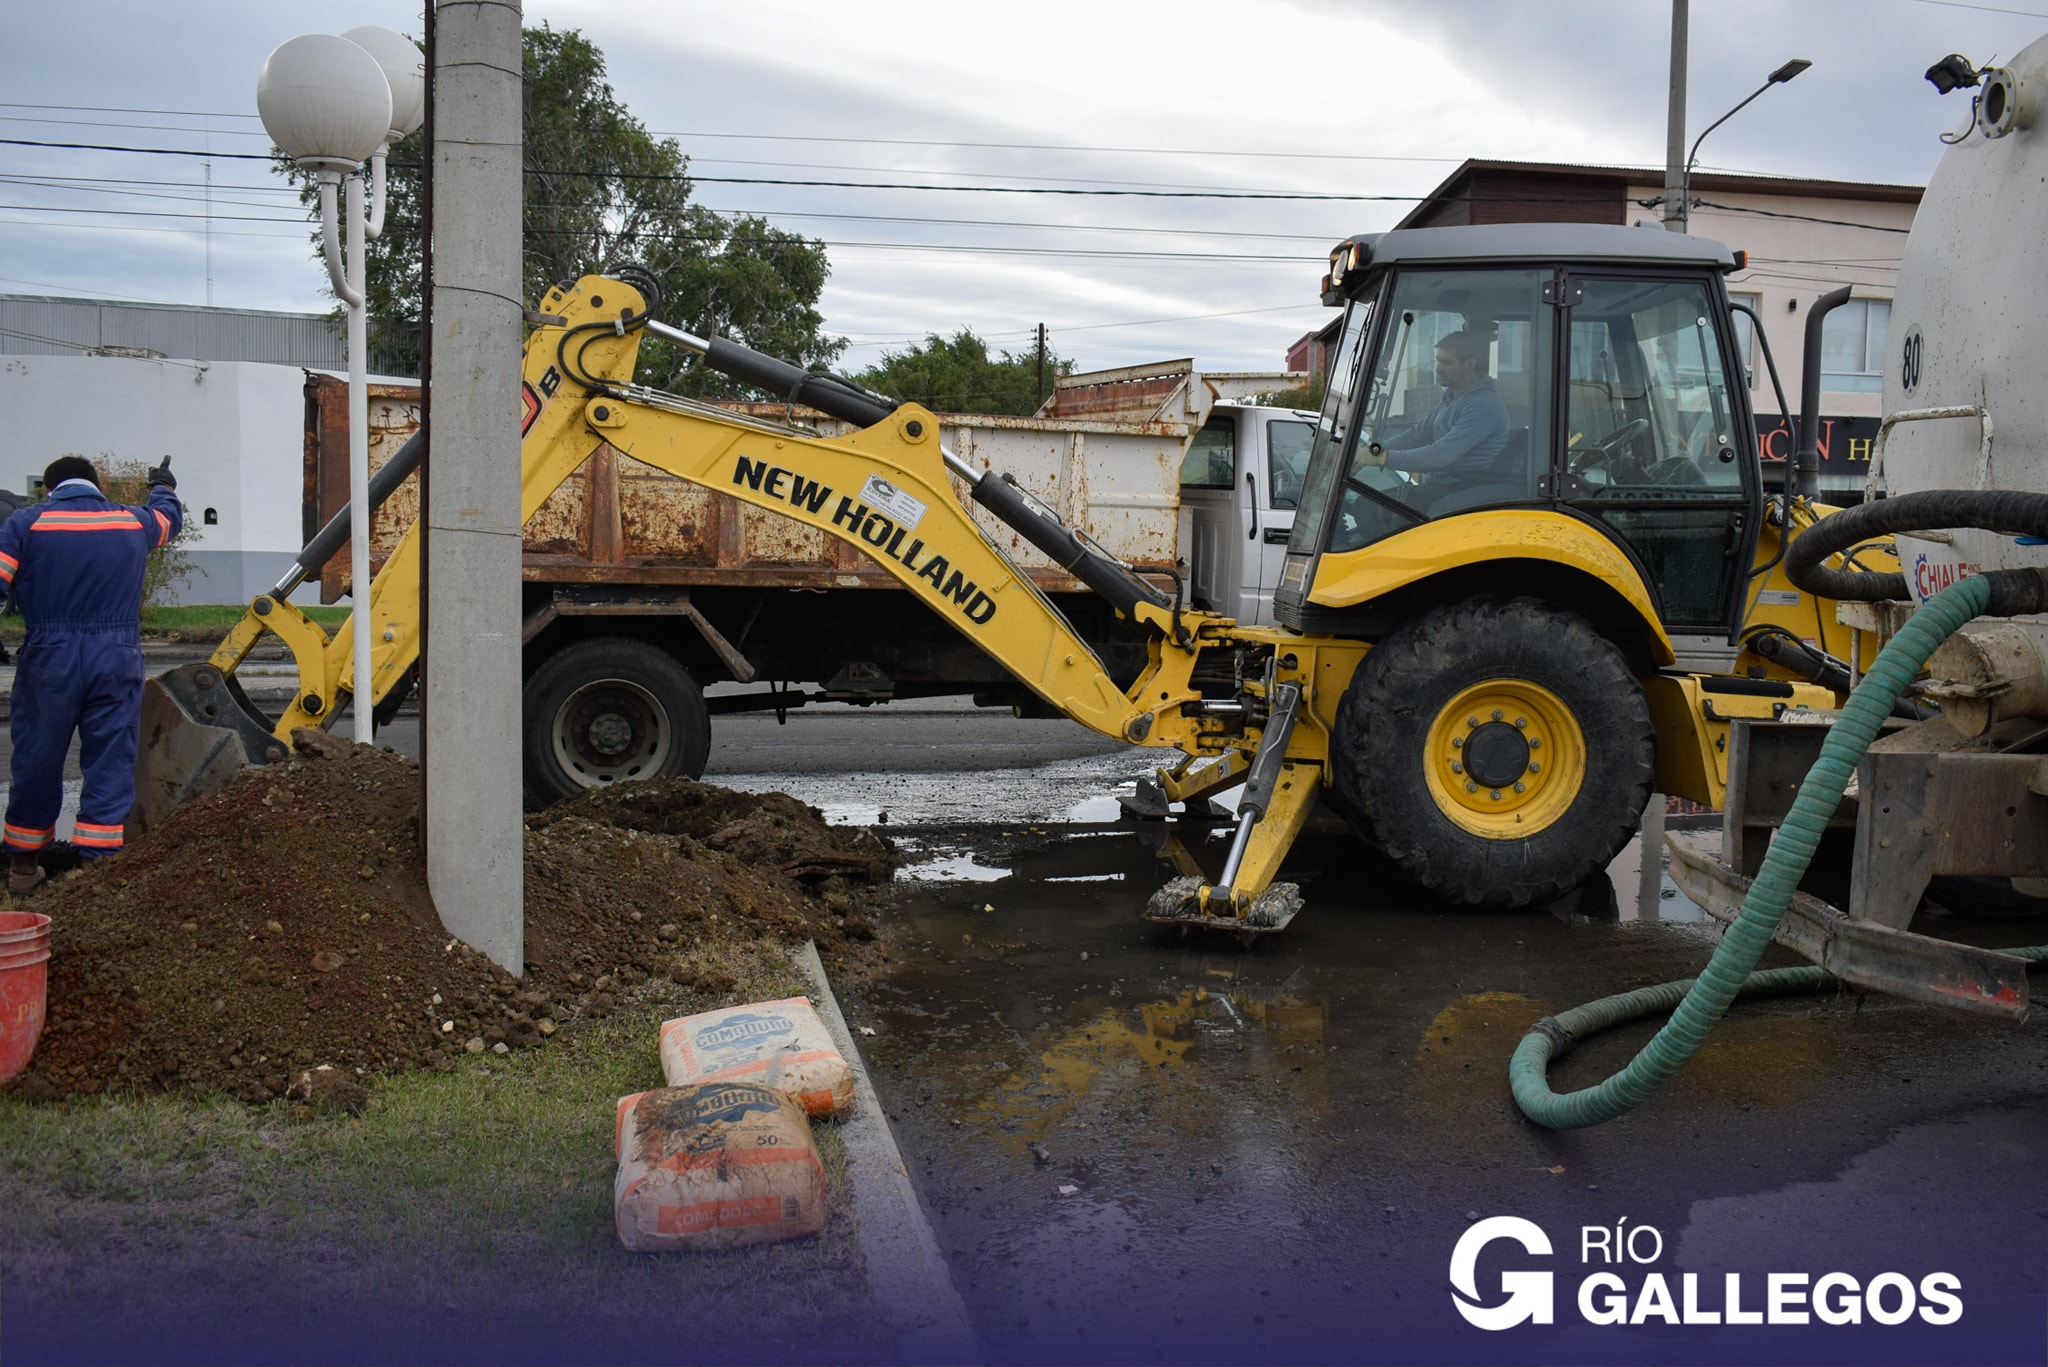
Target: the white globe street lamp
pixel 405 71
pixel 331 103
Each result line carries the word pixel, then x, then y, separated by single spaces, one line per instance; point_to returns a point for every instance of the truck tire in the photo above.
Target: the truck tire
pixel 611 710
pixel 1498 753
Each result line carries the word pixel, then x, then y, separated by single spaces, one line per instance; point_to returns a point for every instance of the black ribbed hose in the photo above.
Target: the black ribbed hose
pixel 1993 510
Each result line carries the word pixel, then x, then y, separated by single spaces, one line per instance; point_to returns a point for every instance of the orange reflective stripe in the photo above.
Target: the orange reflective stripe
pixel 163 536
pixel 19 838
pixel 97 842
pixel 95 828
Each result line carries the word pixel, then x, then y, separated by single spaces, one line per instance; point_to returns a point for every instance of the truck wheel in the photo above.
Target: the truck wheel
pixel 1499 753
pixel 612 710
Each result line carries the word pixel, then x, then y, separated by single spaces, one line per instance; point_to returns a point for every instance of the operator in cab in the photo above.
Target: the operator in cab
pixel 1463 435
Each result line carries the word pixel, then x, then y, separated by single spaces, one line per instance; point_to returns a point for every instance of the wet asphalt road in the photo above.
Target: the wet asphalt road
pixel 1136 1146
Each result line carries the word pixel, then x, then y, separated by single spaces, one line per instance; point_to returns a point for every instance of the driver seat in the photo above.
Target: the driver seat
pixel 1504 479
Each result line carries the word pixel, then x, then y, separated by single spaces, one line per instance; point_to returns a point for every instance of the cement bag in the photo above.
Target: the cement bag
pixel 715 1167
pixel 776 1044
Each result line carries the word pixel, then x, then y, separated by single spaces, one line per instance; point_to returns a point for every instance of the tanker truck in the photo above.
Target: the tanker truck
pixel 1952 808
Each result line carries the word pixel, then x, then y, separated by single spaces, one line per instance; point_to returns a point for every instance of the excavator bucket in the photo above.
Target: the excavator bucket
pixel 198 731
pixel 199 728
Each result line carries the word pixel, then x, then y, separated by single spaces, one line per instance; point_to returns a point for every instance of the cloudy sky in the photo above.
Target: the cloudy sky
pixel 1375 100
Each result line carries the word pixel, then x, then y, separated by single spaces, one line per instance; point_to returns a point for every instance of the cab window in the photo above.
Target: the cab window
pixel 1287 448
pixel 1211 461
pixel 1460 385
pixel 1649 413
pixel 1650 439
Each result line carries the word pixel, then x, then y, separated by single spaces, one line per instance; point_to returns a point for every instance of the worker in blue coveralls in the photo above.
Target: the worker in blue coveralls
pixel 75 563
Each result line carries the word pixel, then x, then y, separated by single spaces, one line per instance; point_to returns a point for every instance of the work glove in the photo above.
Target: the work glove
pixel 161 474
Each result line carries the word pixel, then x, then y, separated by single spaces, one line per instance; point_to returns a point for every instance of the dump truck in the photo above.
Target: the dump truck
pixel 1475 657
pixel 642 590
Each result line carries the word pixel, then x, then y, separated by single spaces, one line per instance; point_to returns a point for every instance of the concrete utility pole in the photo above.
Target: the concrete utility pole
pixel 1675 208
pixel 470 665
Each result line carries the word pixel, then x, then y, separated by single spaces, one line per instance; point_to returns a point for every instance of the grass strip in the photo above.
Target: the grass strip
pixel 462 1216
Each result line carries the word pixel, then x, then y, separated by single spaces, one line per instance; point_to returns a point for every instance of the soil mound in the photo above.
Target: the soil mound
pixel 284 924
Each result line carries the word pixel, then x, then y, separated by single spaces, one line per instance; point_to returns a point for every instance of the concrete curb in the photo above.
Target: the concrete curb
pixel 911 1282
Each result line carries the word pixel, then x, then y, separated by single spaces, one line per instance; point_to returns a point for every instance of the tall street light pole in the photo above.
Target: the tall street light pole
pixel 331 103
pixel 1778 77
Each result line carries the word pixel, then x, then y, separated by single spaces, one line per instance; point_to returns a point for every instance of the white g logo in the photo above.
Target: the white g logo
pixel 1528 1293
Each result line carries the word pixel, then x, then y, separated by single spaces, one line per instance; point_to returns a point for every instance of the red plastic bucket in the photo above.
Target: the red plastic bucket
pixel 24 984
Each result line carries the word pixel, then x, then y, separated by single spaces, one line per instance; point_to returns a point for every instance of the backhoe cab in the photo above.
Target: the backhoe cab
pixel 1531 484
pixel 1527 542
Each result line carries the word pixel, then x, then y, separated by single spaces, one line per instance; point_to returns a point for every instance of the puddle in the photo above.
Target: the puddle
pixel 951 868
pixel 1065 791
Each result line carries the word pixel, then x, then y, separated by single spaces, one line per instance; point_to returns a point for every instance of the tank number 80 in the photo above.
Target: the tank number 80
pixel 1909 362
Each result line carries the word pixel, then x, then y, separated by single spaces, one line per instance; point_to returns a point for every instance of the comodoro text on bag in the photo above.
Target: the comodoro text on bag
pixel 715 1166
pixel 775 1044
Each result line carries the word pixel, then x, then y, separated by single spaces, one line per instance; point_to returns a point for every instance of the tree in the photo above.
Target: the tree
pixel 601 190
pixel 958 376
pixel 1309 395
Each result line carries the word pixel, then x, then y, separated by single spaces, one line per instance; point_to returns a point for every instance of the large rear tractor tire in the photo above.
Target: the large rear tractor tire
pixel 611 710
pixel 1499 753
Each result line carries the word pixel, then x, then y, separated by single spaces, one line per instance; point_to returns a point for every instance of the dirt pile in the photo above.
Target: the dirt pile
pixel 284 924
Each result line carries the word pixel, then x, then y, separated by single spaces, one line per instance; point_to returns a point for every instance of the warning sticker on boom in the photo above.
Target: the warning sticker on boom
pixel 907 511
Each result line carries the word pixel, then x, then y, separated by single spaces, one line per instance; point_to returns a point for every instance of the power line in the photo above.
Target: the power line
pixel 763 180
pixel 111 299
pixel 1988 9
pixel 124 109
pixel 150 127
pixel 141 151
pixel 99 184
pixel 801 137
pixel 1801 218
pixel 41 176
pixel 1067 147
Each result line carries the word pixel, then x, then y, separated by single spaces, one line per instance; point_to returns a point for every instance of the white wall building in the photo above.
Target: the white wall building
pixel 235 432
pixel 220 391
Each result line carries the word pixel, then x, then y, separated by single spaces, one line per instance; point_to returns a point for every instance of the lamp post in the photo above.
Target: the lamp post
pixel 331 103
pixel 1778 77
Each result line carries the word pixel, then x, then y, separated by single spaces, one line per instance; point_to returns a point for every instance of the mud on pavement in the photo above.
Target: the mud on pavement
pixel 284 924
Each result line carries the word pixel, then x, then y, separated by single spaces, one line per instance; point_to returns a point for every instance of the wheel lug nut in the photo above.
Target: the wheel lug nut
pixel 1496 714
pixel 1535 742
pixel 1520 789
pixel 1471 787
pixel 1471 721
pixel 1496 794
pixel 1522 722
pixel 1457 768
pixel 1457 742
pixel 1534 767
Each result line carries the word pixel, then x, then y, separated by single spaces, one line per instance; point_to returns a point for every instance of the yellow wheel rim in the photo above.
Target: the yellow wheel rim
pixel 1505 759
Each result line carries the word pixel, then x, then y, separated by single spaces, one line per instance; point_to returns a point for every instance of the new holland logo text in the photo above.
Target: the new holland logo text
pixel 875 528
pixel 1637 1296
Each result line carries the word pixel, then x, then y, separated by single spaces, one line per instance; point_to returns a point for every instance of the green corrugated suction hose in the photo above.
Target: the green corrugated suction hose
pixel 1702 1001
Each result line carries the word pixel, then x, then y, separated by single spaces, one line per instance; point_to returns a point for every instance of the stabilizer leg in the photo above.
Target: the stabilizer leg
pixel 1278 797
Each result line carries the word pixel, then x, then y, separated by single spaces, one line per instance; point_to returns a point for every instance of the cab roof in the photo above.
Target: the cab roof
pixel 1603 243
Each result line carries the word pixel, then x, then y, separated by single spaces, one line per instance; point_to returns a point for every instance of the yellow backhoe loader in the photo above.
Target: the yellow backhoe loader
pixel 1486 664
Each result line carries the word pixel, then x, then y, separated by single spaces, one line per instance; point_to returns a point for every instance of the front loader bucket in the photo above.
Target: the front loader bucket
pixel 198 732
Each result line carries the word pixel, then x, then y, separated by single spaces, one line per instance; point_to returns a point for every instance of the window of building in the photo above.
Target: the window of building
pixel 1745 334
pixel 1852 347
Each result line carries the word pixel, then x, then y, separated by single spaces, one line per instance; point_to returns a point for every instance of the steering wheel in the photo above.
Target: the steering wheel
pixel 1605 453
